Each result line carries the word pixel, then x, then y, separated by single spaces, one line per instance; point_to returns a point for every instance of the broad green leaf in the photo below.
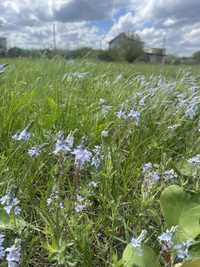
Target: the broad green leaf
pixel 173 200
pixel 141 257
pixel 183 209
pixel 191 263
pixel 186 168
pixel 190 223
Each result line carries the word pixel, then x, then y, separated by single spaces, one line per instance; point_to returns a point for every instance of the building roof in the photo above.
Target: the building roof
pixel 153 54
pixel 155 51
pixel 122 34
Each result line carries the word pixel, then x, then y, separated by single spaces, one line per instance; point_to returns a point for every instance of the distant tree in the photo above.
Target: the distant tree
pixel 81 53
pixel 106 55
pixel 16 52
pixel 3 53
pixel 172 59
pixel 196 56
pixel 130 48
pixel 33 53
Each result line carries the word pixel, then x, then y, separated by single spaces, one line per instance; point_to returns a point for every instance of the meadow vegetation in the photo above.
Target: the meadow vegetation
pixel 86 151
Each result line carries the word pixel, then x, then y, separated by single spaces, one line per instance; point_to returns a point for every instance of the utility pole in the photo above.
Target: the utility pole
pixel 54 36
pixel 164 43
pixel 164 48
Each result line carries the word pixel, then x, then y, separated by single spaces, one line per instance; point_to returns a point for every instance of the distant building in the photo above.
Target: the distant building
pixel 155 55
pixel 118 40
pixel 151 55
pixel 3 44
pixel 187 60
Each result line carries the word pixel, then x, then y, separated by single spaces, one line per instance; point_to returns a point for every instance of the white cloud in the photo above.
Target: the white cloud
pixel 169 22
pixel 154 20
pixel 124 24
pixel 29 23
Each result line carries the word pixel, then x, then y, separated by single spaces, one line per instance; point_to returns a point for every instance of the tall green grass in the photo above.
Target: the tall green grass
pixel 36 91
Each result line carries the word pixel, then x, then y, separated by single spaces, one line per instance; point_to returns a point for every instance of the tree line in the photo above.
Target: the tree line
pixel 130 50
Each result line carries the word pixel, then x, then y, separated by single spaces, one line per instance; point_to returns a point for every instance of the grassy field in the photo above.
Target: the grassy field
pixel 78 201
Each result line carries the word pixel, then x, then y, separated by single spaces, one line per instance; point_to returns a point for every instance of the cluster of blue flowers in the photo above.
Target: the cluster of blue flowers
pixel 12 254
pixel 64 146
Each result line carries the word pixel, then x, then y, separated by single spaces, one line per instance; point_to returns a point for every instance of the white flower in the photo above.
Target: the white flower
pixel 61 205
pixel 154 176
pixel 150 173
pixel 121 114
pixel 70 139
pixel 174 126
pixel 135 115
pixel 137 242
pixel 93 184
pixel 79 207
pixel 151 176
pixel 195 159
pixel 169 175
pixel 35 151
pixel 105 109
pixel 147 167
pixel 64 145
pixel 166 237
pixel 82 156
pixel 53 197
pixel 17 210
pixel 182 250
pixel 80 198
pixel 24 135
pixel 2 249
pixel 2 68
pixel 10 202
pixel 14 254
pixel 97 157
pixel 104 133
pixel 80 204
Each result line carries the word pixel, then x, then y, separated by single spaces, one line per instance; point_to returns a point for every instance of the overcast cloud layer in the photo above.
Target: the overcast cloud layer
pixel 28 23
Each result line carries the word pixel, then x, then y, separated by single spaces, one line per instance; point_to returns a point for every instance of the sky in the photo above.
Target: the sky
pixel 93 23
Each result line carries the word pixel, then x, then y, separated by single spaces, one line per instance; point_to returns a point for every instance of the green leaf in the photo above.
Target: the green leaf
pixel 183 209
pixel 4 220
pixel 172 200
pixel 190 223
pixel 186 168
pixel 142 257
pixel 8 222
pixel 191 263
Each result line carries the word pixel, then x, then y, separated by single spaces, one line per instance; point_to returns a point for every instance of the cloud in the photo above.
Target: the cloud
pixel 29 23
pixel 183 11
pixel 79 22
pixel 86 10
pixel 176 21
pixel 123 24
